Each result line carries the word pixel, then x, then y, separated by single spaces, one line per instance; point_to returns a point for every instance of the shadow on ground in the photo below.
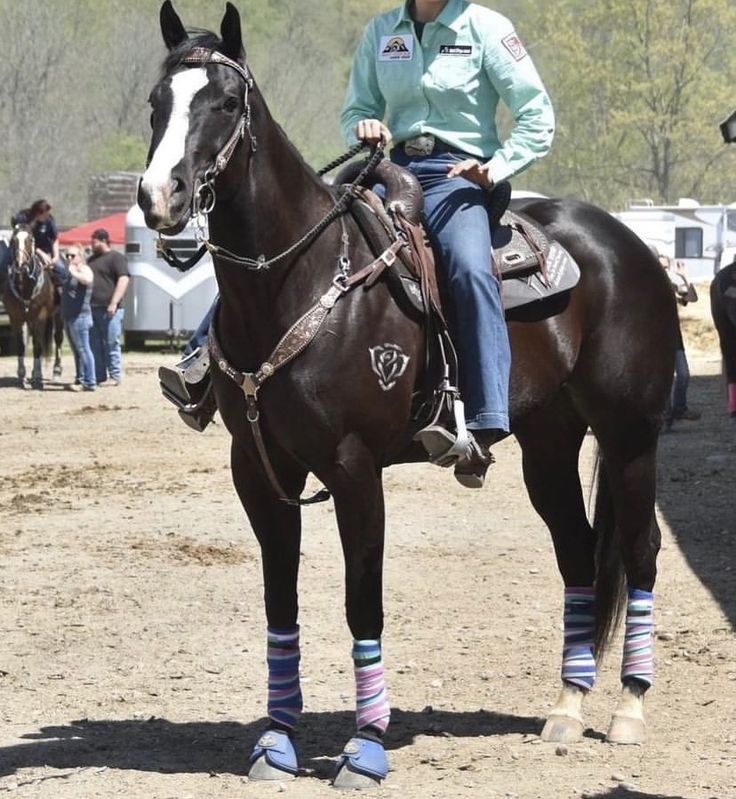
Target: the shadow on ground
pixel 221 747
pixel 697 490
pixel 628 793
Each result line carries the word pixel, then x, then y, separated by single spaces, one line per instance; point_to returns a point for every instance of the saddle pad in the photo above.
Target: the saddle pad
pixel 531 290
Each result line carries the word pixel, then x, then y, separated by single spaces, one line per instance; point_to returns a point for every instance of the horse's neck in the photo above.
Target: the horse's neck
pixel 274 200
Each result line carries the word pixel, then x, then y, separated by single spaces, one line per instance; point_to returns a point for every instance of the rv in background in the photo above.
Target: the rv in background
pixel 703 236
pixel 162 303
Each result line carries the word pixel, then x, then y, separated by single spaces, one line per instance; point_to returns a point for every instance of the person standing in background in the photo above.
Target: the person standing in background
pixel 76 279
pixel 111 280
pixel 684 290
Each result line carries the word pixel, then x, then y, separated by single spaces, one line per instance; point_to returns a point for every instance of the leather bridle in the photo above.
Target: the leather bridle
pixel 204 197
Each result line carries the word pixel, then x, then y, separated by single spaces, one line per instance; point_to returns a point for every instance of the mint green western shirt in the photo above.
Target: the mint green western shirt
pixel 450 83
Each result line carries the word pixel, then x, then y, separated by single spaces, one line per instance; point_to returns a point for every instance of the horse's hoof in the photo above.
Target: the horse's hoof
pixel 347 780
pixel 626 730
pixel 362 766
pixel 562 730
pixel 37 385
pixel 273 758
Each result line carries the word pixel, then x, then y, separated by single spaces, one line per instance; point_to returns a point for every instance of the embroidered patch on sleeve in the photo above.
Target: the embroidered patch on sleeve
pixel 396 48
pixel 513 44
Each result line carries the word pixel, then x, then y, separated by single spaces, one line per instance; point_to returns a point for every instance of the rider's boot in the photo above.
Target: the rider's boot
pixel 471 462
pixel 188 385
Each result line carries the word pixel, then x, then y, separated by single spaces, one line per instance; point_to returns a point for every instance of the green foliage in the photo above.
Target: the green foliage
pixel 123 152
pixel 639 87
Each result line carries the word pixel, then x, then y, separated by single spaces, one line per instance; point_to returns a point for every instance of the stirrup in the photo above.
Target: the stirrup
pixel 190 389
pixel 444 447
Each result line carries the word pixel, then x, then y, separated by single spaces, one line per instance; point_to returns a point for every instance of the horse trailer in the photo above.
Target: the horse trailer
pixel 702 236
pixel 162 303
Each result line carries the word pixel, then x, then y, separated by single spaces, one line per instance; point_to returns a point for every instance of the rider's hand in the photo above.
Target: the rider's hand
pixel 472 170
pixel 372 131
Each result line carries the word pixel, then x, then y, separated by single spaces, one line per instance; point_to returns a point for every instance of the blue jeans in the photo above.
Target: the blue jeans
pixel 457 221
pixel 104 338
pixel 199 337
pixel 78 330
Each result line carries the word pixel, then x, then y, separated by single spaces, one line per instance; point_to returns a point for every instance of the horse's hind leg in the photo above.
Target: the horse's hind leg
pixel 356 485
pixel 630 474
pixel 277 526
pixel 58 341
pixel 550 439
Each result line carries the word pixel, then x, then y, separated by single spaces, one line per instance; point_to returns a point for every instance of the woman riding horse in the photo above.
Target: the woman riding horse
pixel 294 342
pixel 435 70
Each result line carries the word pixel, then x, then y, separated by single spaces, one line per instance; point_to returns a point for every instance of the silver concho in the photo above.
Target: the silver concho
pixel 389 362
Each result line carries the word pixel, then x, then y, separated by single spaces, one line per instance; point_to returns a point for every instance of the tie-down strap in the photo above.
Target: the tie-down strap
pixel 296 339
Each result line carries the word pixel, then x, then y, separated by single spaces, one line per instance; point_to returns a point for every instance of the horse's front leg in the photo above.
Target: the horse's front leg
pixel 20 343
pixel 358 492
pixel 277 526
pixel 37 332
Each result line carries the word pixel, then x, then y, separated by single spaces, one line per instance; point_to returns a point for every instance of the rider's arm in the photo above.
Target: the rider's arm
pixel 363 99
pixel 83 273
pixel 512 73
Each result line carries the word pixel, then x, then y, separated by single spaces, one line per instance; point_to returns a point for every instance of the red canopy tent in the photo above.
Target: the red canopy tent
pixel 114 225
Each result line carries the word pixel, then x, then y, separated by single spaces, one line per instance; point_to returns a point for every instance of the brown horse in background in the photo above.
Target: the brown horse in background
pixel 604 363
pixel 31 299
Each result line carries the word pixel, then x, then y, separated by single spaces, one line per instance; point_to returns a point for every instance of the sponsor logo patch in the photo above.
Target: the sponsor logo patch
pixel 513 44
pixel 456 49
pixel 396 48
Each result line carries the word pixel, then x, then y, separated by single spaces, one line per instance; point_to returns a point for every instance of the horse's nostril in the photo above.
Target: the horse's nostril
pixel 178 185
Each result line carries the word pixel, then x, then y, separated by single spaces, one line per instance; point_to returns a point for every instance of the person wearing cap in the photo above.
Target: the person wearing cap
pixel 111 280
pixel 429 76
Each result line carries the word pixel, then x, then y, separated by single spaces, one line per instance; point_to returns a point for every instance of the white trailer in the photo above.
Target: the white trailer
pixel 703 236
pixel 162 303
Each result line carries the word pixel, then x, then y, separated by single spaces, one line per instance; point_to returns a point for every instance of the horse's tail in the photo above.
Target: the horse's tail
pixel 610 583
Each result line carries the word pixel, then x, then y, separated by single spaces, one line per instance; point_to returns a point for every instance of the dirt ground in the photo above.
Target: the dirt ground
pixel 132 630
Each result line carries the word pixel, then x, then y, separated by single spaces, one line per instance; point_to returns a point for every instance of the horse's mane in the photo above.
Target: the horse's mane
pixel 197 38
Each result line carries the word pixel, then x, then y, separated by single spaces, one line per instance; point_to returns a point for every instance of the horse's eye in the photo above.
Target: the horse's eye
pixel 230 104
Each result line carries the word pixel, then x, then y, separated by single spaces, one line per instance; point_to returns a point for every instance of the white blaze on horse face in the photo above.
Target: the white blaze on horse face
pixel 24 247
pixel 157 180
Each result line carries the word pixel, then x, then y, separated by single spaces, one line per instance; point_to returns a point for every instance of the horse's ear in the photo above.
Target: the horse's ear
pixel 232 39
pixel 172 30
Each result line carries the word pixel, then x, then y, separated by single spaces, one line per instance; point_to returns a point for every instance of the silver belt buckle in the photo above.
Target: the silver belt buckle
pixel 420 145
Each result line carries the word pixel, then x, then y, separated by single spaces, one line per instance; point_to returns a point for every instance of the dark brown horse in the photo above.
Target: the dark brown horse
pixel 31 299
pixel 604 363
pixel 723 310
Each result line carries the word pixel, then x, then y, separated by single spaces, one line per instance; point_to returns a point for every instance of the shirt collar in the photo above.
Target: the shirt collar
pixel 449 16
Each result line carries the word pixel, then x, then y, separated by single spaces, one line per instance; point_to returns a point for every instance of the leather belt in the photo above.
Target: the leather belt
pixel 427 144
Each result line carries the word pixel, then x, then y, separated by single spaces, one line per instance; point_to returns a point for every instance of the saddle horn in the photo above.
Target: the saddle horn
pixel 403 191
